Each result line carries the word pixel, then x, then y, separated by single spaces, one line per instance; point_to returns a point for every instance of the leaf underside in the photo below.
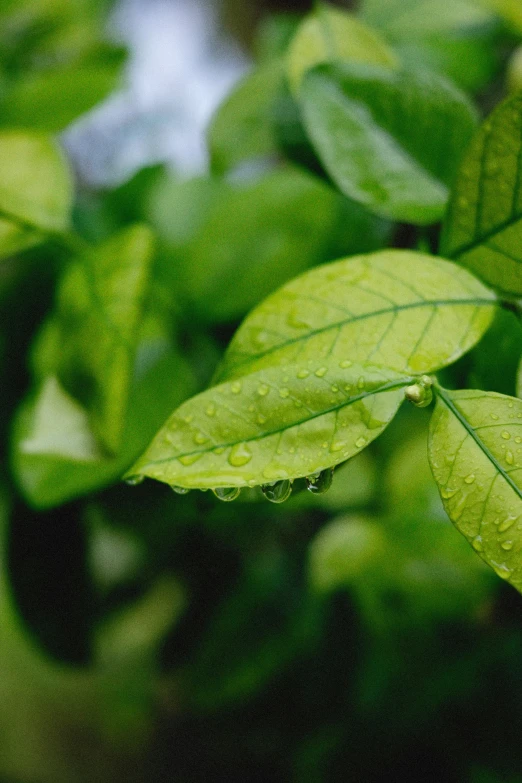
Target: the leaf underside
pixel 475 452
pixel 483 226
pixel 408 311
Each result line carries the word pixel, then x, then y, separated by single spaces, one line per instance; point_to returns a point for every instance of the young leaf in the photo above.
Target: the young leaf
pixel 483 225
pixel 389 139
pixel 329 35
pixel 475 452
pixel 100 305
pixel 276 424
pixel 243 126
pixel 35 189
pixel 408 311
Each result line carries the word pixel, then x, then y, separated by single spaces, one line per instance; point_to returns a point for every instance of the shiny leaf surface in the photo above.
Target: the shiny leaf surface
pixel 475 452
pixel 388 139
pixel 483 226
pixel 276 424
pixel 408 311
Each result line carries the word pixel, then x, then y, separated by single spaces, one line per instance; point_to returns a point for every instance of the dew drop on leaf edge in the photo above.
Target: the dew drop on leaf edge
pixel 227 494
pixel 277 492
pixel 319 483
pixel 134 481
pixel 179 490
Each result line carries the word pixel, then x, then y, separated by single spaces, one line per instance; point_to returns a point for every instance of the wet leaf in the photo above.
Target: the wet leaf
pixel 388 139
pixel 483 225
pixel 330 35
pixel 408 311
pixel 243 126
pixel 35 190
pixel 276 424
pixel 100 305
pixel 475 453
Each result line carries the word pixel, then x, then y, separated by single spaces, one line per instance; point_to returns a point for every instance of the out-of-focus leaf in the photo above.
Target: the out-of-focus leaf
pixel 509 10
pixel 100 304
pixel 243 126
pixel 277 424
pixel 494 360
pixel 425 16
pixel 408 311
pixel 483 225
pixel 389 139
pixel 35 187
pixel 514 71
pixel 273 35
pixel 330 35
pixel 476 458
pixel 51 100
pixel 46 471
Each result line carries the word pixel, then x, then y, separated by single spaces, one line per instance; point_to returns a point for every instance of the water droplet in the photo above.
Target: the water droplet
pixel 219 450
pixel 360 442
pixel 199 438
pixel 335 388
pixel 506 435
pixel 189 418
pixel 507 545
pixel 469 479
pixel 360 382
pixel 518 439
pixel 240 455
pixel 227 494
pixel 298 403
pixel 344 365
pixel 303 373
pixel 321 482
pixel 448 492
pixel 284 393
pixel 180 490
pixel 277 492
pixel 509 457
pixel 494 416
pixel 261 419
pixel 236 387
pixel 502 571
pixel 321 372
pixel 477 544
pixel 338 445
pixel 211 409
pixel 297 319
pixel 263 390
pixel 506 524
pixel 190 459
pixel 133 481
pixel 420 393
pixel 347 387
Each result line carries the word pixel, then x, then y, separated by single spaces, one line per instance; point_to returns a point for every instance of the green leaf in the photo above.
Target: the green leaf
pixel 483 225
pixel 233 245
pixel 408 311
pixel 51 100
pixel 275 424
pixel 243 126
pixel 388 139
pixel 55 455
pixel 99 310
pixel 401 20
pixel 35 189
pixel 475 454
pixel 329 35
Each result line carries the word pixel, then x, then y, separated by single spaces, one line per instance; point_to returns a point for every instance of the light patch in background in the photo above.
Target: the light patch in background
pixel 180 67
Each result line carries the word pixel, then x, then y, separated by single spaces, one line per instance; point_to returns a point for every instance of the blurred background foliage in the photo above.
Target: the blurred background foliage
pixel 146 636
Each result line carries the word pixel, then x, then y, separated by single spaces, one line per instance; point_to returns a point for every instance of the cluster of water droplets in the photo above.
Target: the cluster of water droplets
pixel 421 392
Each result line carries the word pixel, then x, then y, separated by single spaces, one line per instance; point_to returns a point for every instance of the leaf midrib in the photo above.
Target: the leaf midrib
pixel 441 393
pixel 363 316
pixel 482 239
pixel 390 386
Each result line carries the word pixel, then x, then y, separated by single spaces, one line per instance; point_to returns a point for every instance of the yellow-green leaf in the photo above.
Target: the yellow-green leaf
pixel 483 225
pixel 408 311
pixel 475 452
pixel 276 424
pixel 35 182
pixel 329 35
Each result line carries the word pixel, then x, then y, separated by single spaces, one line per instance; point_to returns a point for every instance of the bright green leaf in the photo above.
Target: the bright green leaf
pixel 279 423
pixel 243 126
pixel 51 100
pixel 35 186
pixel 99 310
pixel 329 35
pixel 408 311
pixel 483 226
pixel 388 139
pixel 403 20
pixel 475 452
pixel 509 10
